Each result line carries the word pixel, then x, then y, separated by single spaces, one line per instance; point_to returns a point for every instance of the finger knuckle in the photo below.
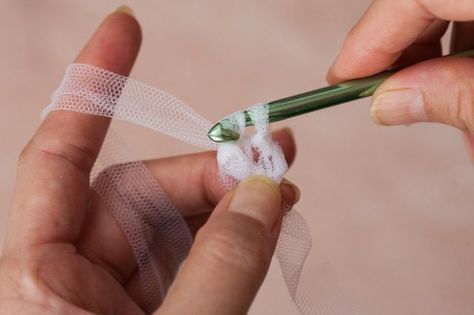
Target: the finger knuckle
pixel 79 157
pixel 22 280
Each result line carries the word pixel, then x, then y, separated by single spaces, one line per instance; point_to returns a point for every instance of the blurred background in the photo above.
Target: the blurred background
pixel 390 209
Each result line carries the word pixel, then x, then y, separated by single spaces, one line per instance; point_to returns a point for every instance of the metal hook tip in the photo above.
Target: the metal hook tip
pixel 219 134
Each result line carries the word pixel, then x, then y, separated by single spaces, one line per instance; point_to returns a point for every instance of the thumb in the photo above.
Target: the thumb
pixel 232 251
pixel 439 90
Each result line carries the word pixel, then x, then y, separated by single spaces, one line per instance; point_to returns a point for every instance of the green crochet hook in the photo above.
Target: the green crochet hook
pixel 315 100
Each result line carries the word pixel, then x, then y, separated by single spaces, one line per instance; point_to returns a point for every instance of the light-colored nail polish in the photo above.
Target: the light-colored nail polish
pixel 258 197
pixel 399 107
pixel 294 188
pixel 125 9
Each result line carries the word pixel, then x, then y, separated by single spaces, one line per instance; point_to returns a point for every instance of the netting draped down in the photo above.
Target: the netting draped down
pixel 153 226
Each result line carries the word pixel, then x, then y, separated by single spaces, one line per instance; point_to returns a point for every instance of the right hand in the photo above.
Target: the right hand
pixel 408 31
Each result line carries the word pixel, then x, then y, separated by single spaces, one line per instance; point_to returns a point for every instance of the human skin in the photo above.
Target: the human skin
pixel 66 254
pixel 405 32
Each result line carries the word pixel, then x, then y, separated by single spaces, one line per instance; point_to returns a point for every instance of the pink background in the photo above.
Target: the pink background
pixel 391 209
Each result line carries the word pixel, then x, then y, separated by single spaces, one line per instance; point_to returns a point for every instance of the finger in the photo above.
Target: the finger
pixel 427 45
pixel 290 194
pixel 192 184
pixel 200 180
pixel 387 29
pixel 52 188
pixel 438 90
pixel 231 254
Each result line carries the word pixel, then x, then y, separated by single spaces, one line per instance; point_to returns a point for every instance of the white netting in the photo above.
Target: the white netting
pixel 258 154
pixel 140 206
pixel 238 161
pixel 95 91
pixel 148 218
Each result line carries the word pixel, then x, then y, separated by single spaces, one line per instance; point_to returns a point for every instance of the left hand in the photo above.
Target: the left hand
pixel 65 252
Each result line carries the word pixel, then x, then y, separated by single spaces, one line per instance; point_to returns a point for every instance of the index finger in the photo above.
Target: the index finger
pixel 52 190
pixel 387 29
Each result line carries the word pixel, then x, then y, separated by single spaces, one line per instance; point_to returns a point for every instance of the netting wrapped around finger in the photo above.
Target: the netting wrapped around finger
pixel 153 226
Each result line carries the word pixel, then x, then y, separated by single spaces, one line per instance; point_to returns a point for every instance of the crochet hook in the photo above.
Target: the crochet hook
pixel 315 100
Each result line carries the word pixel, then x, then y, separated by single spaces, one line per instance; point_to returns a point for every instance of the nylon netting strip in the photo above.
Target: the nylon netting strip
pixel 154 228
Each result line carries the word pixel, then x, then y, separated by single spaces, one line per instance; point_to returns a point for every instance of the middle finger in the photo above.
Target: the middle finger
pixel 191 183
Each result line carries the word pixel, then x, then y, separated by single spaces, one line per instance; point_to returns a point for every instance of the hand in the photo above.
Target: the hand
pixel 405 32
pixel 65 253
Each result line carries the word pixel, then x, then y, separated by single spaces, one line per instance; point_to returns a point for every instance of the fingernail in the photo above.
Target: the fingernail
pixel 125 9
pixel 295 191
pixel 258 197
pixel 288 130
pixel 398 107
